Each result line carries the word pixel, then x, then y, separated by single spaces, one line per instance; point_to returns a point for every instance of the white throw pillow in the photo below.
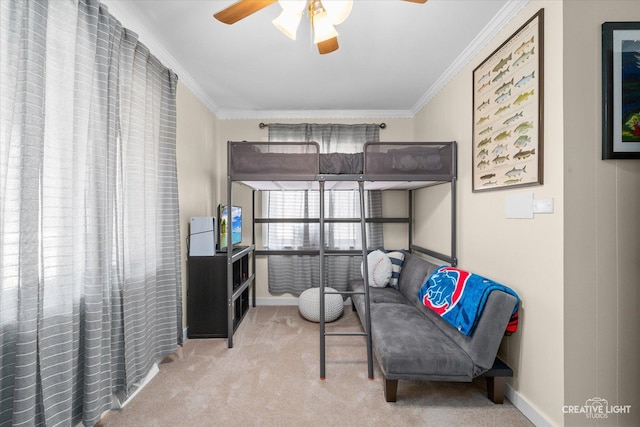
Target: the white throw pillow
pixel 397 259
pixel 379 269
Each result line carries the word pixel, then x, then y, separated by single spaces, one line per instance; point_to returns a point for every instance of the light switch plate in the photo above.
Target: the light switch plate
pixel 543 206
pixel 519 206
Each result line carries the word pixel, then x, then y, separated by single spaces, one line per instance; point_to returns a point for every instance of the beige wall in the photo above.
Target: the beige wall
pixel 601 232
pixel 523 254
pixel 196 143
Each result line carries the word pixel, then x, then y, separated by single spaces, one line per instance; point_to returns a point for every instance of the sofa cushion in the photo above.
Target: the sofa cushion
pixel 377 295
pixel 418 349
pixel 415 271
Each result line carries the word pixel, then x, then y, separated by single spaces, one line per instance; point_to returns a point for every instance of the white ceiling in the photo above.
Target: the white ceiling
pixel 393 57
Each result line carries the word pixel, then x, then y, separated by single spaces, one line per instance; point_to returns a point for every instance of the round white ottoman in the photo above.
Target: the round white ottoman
pixel 309 305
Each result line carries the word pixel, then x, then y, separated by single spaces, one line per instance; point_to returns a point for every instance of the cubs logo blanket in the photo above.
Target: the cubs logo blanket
pixel 459 297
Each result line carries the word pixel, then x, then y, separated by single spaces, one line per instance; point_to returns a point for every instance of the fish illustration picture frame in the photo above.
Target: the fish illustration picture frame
pixel 508 112
pixel 620 90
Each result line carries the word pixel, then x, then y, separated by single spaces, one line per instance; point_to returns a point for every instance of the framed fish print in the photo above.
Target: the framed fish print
pixel 508 112
pixel 621 90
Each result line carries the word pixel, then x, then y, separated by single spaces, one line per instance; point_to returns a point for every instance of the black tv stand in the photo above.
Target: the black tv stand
pixel 213 311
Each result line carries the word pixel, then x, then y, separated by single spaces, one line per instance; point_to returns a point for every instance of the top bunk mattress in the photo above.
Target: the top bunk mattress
pixel 302 161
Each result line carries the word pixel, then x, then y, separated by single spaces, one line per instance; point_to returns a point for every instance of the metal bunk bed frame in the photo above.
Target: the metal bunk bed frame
pixel 252 180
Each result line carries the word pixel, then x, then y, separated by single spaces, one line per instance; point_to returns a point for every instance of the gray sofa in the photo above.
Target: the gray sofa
pixel 411 342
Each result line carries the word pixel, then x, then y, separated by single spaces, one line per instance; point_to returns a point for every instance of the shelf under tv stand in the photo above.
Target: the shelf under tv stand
pixel 215 305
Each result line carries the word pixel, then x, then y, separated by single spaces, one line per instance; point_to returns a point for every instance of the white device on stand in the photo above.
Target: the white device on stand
pixel 202 236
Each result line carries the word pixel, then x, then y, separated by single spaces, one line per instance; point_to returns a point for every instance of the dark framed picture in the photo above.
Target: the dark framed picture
pixel 621 90
pixel 508 111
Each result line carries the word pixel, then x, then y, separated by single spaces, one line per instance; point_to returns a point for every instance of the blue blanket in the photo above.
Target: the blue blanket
pixel 459 296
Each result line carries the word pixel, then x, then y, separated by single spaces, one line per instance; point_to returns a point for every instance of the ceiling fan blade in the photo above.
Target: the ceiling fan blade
pixel 241 9
pixel 417 1
pixel 328 46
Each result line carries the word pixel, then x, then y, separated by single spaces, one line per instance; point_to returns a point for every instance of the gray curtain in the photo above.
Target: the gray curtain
pixel 294 274
pixel 90 293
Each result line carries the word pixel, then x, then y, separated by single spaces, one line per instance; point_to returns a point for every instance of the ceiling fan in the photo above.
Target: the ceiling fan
pixel 323 14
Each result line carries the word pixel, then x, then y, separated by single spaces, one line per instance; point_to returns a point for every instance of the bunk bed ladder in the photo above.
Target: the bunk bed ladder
pixel 323 292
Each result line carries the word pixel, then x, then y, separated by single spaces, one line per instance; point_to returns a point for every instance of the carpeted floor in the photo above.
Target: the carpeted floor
pixel 271 378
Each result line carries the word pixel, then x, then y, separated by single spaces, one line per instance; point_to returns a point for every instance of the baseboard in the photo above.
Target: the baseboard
pixel 527 410
pixel 139 386
pixel 285 301
pixel 277 301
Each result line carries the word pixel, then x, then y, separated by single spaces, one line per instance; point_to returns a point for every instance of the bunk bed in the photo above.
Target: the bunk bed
pixel 381 166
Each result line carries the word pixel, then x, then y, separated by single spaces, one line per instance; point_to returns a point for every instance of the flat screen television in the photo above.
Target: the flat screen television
pixel 236 226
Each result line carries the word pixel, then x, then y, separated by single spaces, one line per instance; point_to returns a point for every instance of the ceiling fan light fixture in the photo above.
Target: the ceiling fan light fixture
pixel 287 23
pixel 338 10
pixel 289 19
pixel 323 29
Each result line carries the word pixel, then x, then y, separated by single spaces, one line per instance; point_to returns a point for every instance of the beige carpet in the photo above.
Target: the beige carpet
pixel 271 378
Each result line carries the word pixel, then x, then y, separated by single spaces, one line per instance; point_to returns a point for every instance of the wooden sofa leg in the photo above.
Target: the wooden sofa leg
pixel 495 389
pixel 390 390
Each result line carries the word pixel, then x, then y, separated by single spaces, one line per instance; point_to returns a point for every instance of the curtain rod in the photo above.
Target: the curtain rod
pixel 264 125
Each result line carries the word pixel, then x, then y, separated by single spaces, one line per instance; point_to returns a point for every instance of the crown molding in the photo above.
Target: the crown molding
pixel 120 10
pixel 502 18
pixel 315 114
